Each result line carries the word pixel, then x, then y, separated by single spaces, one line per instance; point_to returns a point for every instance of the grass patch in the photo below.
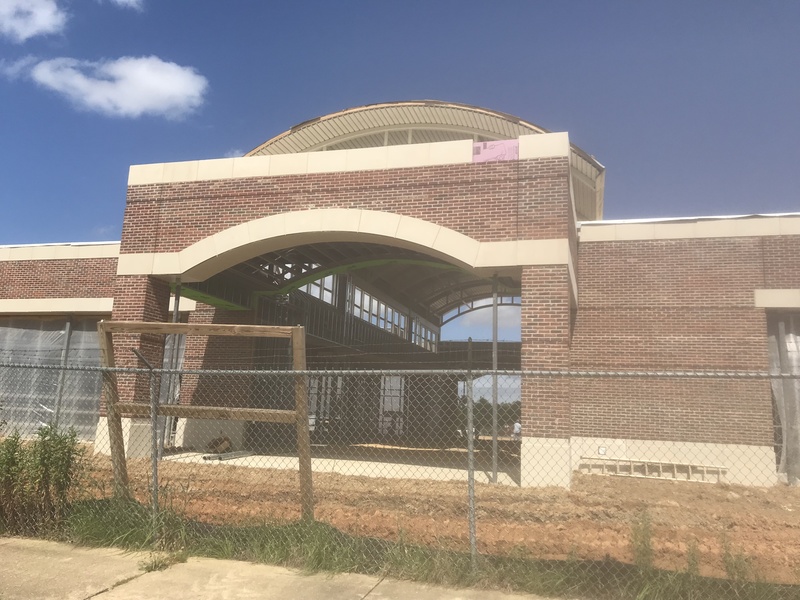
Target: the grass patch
pixel 315 546
pixel 642 541
pixel 159 561
pixel 37 480
pixel 125 523
pixel 737 566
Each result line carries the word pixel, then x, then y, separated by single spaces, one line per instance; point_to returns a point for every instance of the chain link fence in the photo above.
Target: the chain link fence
pixel 670 483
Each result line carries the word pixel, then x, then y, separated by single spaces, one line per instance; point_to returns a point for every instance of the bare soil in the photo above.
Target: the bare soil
pixel 757 529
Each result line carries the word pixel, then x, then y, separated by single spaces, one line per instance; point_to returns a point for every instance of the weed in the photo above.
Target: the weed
pixel 37 479
pixel 642 541
pixel 159 561
pixel 692 558
pixel 315 546
pixel 737 566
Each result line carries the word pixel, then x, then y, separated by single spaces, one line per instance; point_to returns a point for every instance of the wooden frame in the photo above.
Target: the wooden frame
pixel 115 409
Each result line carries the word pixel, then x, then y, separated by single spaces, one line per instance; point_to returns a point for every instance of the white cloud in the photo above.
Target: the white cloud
pixel 23 19
pixel 135 4
pixel 234 153
pixel 125 87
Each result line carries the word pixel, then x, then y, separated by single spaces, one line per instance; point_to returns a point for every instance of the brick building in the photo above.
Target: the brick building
pixel 375 225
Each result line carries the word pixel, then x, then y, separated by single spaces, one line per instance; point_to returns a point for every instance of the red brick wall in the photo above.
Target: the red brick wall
pixel 675 305
pixel 545 329
pixel 782 262
pixel 499 201
pixel 63 278
pixel 139 298
pixel 218 352
pixel 662 304
pixel 489 201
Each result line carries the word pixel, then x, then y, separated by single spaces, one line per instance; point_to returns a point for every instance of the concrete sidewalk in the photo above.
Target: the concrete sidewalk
pixel 41 570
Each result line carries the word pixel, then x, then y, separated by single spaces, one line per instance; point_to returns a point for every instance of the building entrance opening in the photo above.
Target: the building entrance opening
pixel 384 385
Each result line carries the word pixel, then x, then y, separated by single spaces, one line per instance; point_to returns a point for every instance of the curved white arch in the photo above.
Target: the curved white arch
pixel 231 246
pixel 234 245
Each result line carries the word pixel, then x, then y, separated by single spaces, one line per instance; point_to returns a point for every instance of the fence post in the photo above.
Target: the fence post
pixel 494 379
pixel 62 372
pixel 473 537
pixel 165 431
pixel 153 437
pixel 116 439
pixel 303 435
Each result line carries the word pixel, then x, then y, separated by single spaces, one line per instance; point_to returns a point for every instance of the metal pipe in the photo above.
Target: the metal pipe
pixel 473 536
pixel 494 379
pixel 62 373
pixel 475 373
pixel 153 438
pixel 172 380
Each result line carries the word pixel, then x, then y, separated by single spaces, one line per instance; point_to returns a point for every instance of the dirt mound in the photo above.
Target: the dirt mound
pixel 729 530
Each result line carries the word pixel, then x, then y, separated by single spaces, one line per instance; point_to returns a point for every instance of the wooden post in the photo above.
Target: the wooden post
pixel 119 464
pixel 115 408
pixel 303 436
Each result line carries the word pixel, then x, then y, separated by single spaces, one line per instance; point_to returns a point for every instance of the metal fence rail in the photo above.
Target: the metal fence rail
pixel 410 459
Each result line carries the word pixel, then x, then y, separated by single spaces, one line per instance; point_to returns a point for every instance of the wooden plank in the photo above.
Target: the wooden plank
pixel 303 435
pixel 299 415
pixel 274 331
pixel 119 465
pixel 261 415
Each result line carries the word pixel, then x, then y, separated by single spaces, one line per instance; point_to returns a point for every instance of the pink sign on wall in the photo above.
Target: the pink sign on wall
pixel 497 150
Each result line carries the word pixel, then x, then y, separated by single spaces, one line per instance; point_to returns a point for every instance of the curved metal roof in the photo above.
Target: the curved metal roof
pixel 397 123
pixel 426 121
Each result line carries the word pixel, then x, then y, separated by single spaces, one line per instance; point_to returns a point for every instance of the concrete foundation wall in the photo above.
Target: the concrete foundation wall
pixel 191 433
pixel 135 434
pixel 197 433
pixel 552 462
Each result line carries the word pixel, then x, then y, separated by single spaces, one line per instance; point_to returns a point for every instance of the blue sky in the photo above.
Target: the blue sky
pixel 693 107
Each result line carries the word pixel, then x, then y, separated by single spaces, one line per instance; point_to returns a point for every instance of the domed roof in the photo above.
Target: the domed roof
pixel 426 121
pixel 397 123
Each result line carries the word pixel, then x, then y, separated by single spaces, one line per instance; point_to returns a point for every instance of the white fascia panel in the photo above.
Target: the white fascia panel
pixel 185 305
pixel 341 219
pixel 166 263
pixel 180 171
pixel 327 162
pixel 696 228
pixel 146 174
pixel 365 159
pixel 523 253
pixel 417 231
pixel 408 155
pixel 454 244
pixel 786 298
pixel 450 153
pixel 135 264
pixel 59 251
pixel 379 223
pixel 251 166
pixel 288 164
pixel 304 221
pixel 789 225
pixel 39 306
pixel 267 227
pixel 544 145
pixel 219 168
